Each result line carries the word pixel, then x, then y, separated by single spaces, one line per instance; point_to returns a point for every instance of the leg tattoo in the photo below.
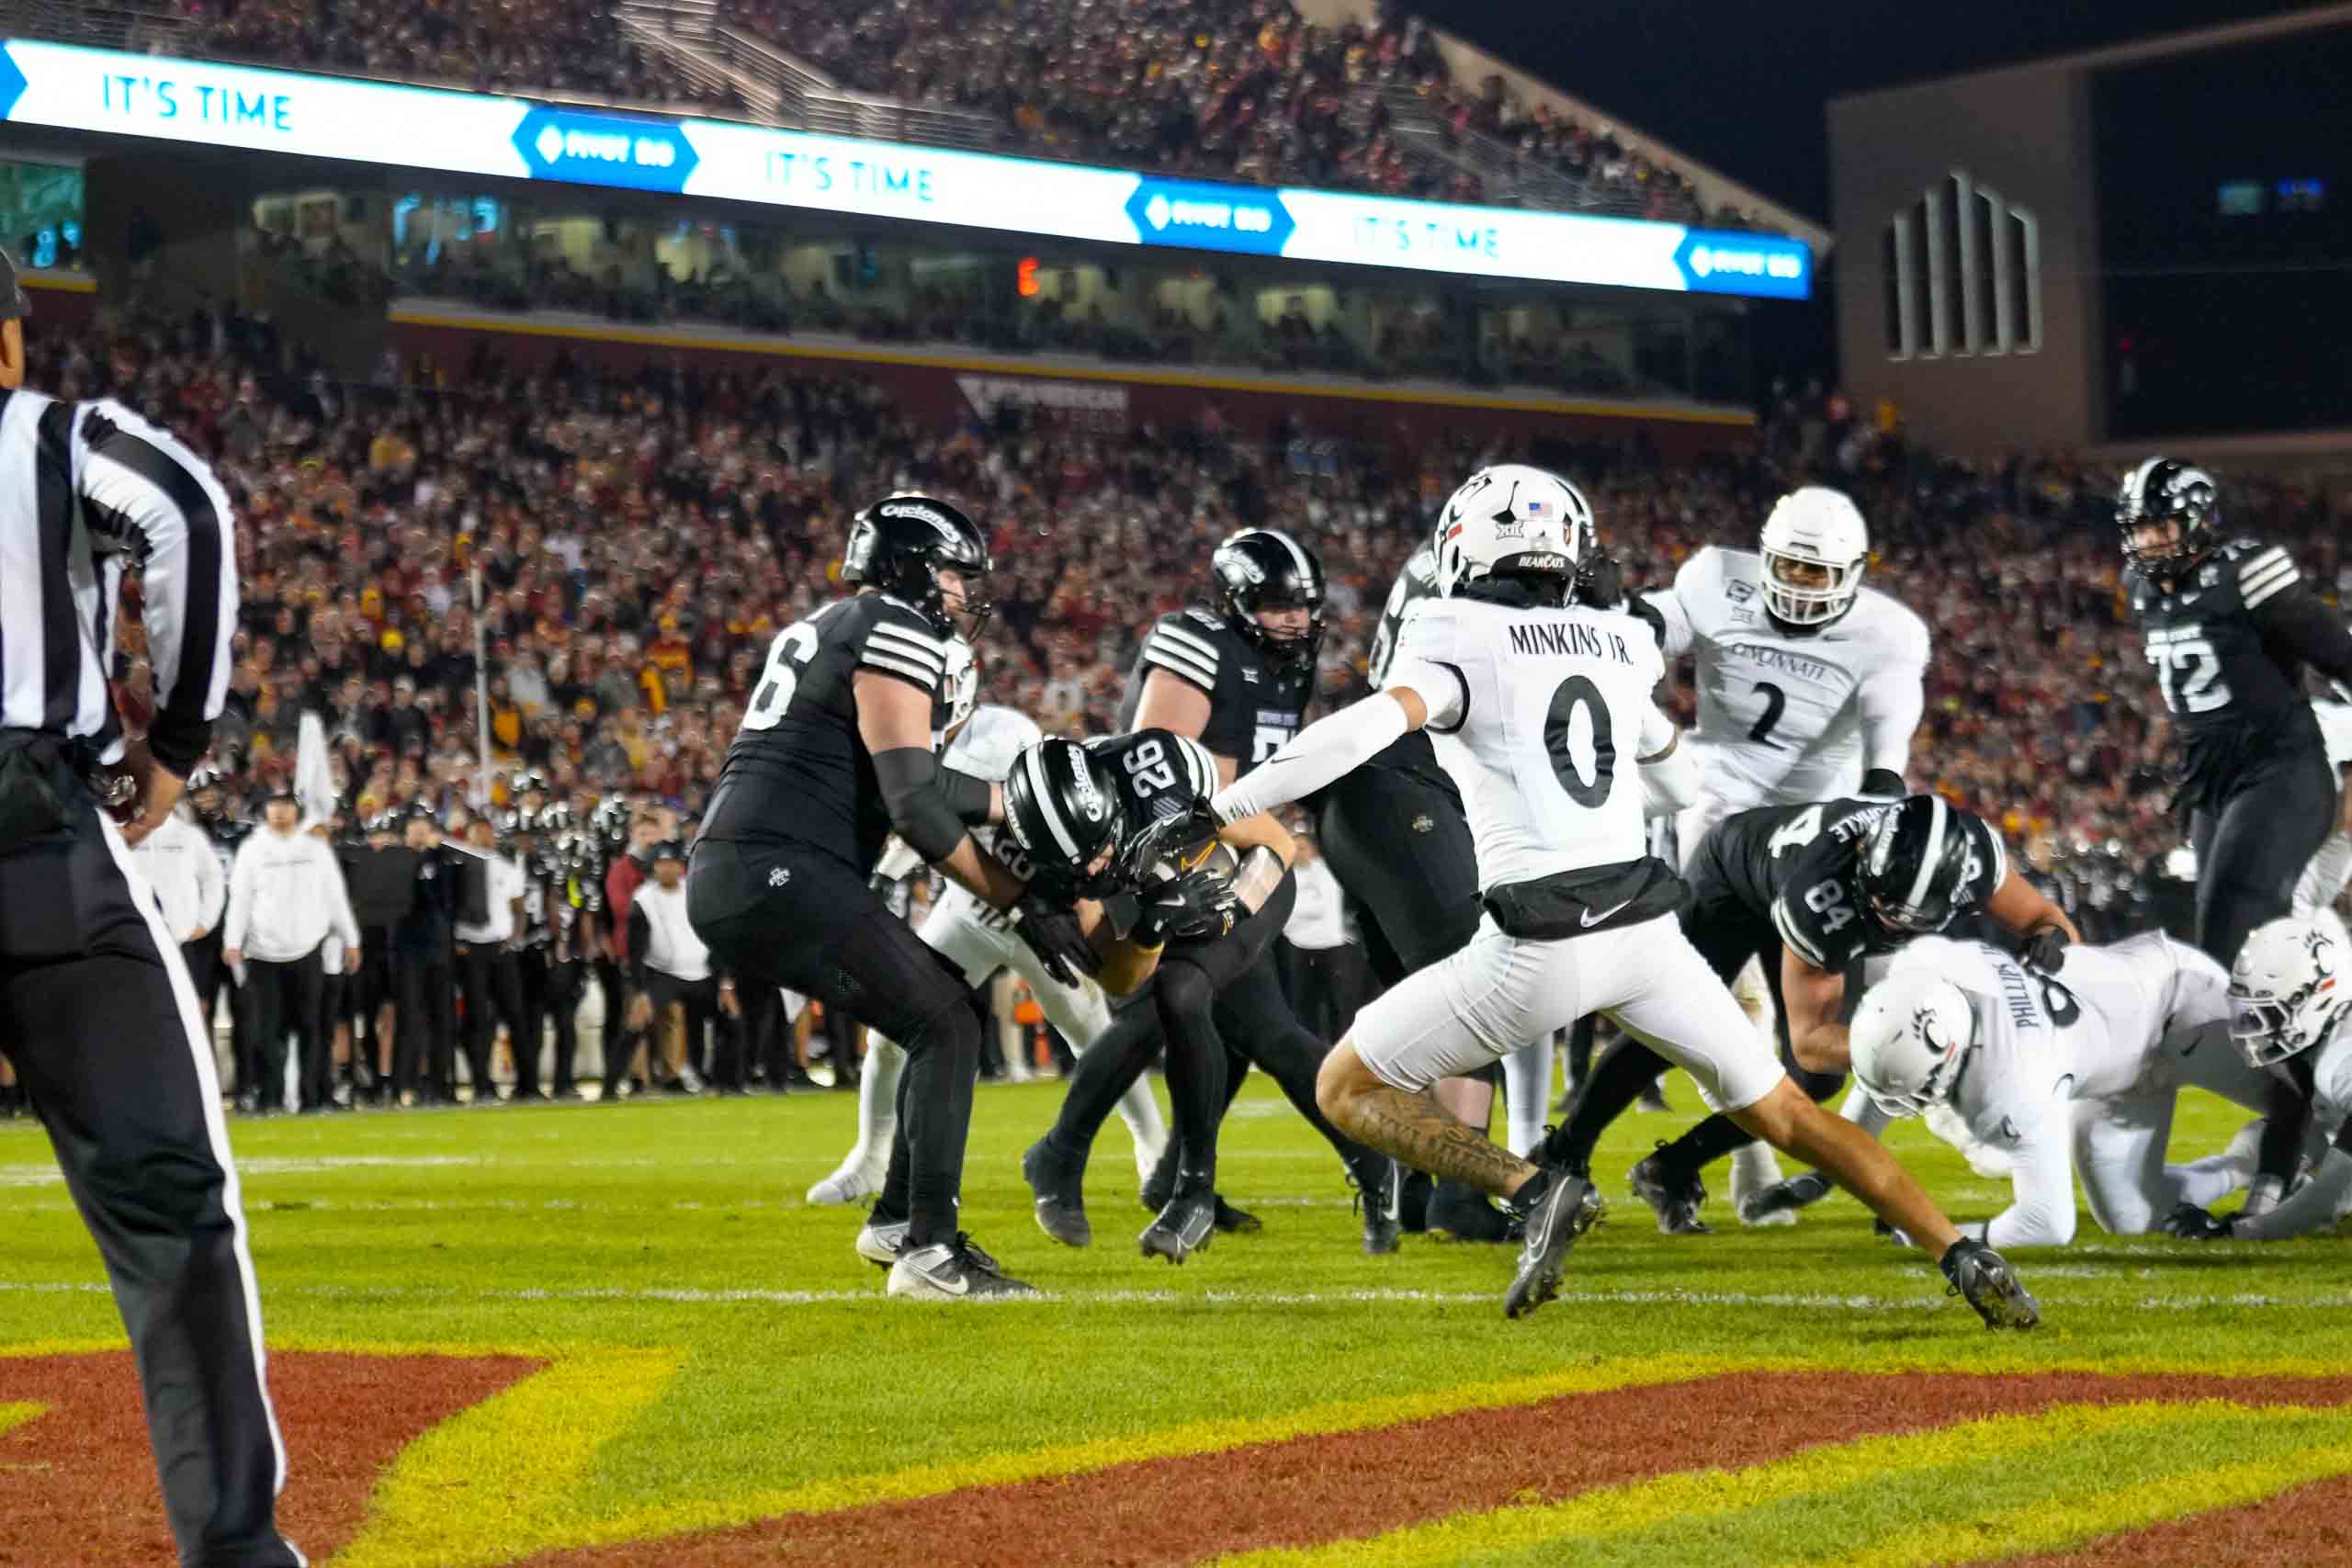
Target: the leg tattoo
pixel 1414 1128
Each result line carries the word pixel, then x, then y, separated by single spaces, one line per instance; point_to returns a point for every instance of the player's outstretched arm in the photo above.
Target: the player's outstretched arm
pixel 1330 749
pixel 1814 996
pixel 2018 906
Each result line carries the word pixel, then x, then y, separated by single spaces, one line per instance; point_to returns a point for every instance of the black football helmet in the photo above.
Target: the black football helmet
pixel 1265 569
pixel 1061 805
pixel 2160 490
pixel 1915 866
pixel 899 543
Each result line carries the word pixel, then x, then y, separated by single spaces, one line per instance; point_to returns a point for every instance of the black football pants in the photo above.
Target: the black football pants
pixel 795 916
pixel 494 984
pixel 551 993
pixel 99 1020
pixel 426 1058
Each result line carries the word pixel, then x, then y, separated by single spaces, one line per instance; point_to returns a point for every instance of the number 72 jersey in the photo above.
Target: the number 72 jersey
pixel 1784 716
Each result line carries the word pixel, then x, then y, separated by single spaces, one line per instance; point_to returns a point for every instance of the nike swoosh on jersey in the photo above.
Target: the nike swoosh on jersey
pixel 1590 920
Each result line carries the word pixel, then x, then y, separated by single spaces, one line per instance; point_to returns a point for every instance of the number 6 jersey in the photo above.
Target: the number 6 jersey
pixel 1788 715
pixel 798 770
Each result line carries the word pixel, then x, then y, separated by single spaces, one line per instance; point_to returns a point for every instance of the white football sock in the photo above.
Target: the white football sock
pixel 878 1099
pixel 1526 1093
pixel 1140 1112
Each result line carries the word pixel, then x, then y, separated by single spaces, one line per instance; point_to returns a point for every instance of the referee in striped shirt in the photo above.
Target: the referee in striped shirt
pixel 97 1012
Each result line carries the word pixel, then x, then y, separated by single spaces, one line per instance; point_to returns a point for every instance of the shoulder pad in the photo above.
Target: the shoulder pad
pixel 896 639
pixel 2239 547
pixel 1179 644
pixel 1200 613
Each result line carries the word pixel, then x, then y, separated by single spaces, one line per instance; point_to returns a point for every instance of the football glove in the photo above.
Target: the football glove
pixel 1984 1278
pixel 1056 937
pixel 2188 1223
pixel 2046 950
pixel 1200 906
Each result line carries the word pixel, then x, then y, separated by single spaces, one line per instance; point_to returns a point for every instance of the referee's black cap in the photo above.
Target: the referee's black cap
pixel 14 306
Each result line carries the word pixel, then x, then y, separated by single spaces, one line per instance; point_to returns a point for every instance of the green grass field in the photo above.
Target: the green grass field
pixel 708 1353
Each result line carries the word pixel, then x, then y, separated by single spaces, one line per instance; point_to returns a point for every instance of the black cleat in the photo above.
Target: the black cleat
pixel 1463 1213
pixel 1568 1206
pixel 1675 1200
pixel 1413 1202
pixel 1184 1227
pixel 952 1271
pixel 1784 1198
pixel 1061 1198
pixel 1984 1278
pixel 1376 1201
pixel 1236 1222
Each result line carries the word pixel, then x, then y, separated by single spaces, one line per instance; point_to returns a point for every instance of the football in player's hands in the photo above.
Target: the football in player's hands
pixel 2188 1223
pixel 1191 898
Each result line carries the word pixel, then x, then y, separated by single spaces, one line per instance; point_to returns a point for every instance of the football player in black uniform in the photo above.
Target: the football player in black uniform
pixel 2231 624
pixel 835 750
pixel 1395 835
pixel 1810 890
pixel 1235 675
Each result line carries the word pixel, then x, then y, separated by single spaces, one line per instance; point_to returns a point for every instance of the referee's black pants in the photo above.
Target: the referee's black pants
pixel 283 998
pixel 98 1018
pixel 495 994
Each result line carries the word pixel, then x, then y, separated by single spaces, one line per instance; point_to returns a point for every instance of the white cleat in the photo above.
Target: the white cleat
pixel 1753 1169
pixel 855 1182
pixel 881 1244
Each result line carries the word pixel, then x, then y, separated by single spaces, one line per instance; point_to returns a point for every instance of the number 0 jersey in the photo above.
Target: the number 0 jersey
pixel 1255 705
pixel 1541 716
pixel 1790 716
pixel 1798 863
pixel 798 770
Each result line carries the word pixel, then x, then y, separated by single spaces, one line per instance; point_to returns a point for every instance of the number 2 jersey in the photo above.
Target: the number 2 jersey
pixel 798 771
pixel 1801 863
pixel 1255 703
pixel 1790 716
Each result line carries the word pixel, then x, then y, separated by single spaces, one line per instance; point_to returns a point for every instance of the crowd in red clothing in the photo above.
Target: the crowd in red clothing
pixel 640 539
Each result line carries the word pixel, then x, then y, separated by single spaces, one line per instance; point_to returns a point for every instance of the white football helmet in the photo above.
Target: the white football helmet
pixel 2291 988
pixel 962 684
pixel 1909 1036
pixel 1512 518
pixel 1814 526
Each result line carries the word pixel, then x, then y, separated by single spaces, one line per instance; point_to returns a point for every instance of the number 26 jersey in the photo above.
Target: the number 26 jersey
pixel 798 770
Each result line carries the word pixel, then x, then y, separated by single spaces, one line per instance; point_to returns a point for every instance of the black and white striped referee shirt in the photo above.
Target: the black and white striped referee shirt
pixel 87 491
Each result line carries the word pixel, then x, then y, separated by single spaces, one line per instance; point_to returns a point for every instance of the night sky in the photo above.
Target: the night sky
pixel 1742 85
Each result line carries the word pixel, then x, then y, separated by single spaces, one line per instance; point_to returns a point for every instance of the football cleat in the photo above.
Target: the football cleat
pixel 1777 1204
pixel 1061 1202
pixel 1184 1227
pixel 881 1242
pixel 1376 1201
pixel 1566 1208
pixel 1463 1213
pixel 1675 1199
pixel 1413 1200
pixel 1236 1222
pixel 1984 1278
pixel 952 1271
pixel 855 1181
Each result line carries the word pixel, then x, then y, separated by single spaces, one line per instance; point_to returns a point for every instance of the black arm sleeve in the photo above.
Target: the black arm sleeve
pixel 2297 620
pixel 1883 782
pixel 920 808
pixel 967 795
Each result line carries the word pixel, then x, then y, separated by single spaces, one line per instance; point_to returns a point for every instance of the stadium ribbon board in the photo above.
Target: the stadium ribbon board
pixel 418 128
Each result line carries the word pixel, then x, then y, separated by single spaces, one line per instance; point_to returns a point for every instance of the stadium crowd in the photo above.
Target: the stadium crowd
pixel 641 537
pixel 1232 89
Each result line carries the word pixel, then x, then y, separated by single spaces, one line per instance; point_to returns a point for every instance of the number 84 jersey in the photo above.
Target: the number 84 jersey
pixel 1785 715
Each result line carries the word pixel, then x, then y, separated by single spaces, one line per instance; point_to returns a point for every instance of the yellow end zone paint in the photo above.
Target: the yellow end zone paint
pixel 16 1414
pixel 1619 1510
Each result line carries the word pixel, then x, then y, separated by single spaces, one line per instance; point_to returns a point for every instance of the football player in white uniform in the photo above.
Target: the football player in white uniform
pixel 1540 709
pixel 1809 686
pixel 978 940
pixel 2291 1007
pixel 2066 1076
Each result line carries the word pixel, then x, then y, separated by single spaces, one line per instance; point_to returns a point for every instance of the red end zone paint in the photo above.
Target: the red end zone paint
pixel 1297 1493
pixel 77 1482
pixel 2302 1528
